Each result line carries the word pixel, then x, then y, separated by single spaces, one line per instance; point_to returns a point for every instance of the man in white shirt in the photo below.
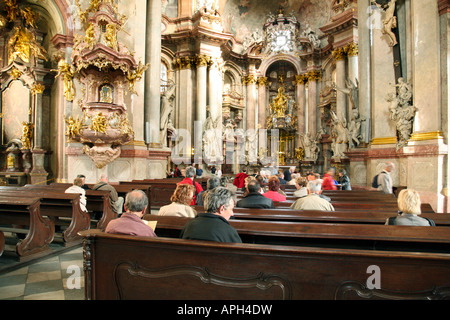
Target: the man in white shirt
pixel 313 201
pixel 385 179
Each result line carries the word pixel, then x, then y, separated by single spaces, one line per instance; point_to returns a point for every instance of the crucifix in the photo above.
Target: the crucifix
pixel 390 28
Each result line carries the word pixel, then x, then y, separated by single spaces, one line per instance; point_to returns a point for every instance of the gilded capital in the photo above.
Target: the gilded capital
pixel 202 60
pixel 262 81
pixel 339 54
pixel 352 49
pixel 301 79
pixel 250 79
pixel 314 76
pixel 37 88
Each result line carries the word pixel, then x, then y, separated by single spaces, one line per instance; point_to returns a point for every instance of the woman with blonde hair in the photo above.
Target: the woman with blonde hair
pixel 181 200
pixel 409 206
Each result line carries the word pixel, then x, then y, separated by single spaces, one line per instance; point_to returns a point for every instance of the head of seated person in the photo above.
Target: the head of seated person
pixel 314 187
pixel 183 194
pixel 274 183
pixel 253 186
pixel 409 202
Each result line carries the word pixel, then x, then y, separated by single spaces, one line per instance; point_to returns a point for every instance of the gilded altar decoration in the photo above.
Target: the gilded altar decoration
pixel 282 112
pixel 105 68
pixel 27 135
pixel 68 72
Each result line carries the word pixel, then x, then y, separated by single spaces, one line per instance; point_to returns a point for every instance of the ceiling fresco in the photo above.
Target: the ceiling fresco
pixel 243 17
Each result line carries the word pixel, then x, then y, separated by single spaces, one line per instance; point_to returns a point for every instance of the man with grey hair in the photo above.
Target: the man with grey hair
pixel 114 199
pixel 385 179
pixel 189 179
pixel 213 225
pixel 313 201
pixel 131 222
pixel 212 183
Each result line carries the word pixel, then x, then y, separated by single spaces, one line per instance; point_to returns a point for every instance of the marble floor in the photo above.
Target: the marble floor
pixel 57 277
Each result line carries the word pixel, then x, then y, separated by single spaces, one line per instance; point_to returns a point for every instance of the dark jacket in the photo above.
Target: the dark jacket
pixel 255 200
pixel 344 181
pixel 212 227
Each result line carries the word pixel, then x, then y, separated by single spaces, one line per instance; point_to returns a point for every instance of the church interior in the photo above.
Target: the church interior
pixel 134 88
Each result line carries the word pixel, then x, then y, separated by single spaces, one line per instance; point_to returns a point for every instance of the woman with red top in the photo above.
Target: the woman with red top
pixel 190 174
pixel 274 187
pixel 328 180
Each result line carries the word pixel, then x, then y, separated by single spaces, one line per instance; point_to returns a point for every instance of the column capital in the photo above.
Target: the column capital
pixel 301 79
pixel 263 81
pixel 339 54
pixel 249 79
pixel 352 49
pixel 202 60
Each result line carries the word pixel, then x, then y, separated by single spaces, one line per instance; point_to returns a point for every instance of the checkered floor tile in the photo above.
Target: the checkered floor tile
pixel 58 277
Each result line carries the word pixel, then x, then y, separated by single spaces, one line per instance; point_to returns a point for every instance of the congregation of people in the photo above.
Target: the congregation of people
pixel 259 191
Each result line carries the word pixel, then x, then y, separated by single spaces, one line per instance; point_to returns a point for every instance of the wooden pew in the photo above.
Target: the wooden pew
pixel 122 190
pixel 25 211
pixel 97 205
pixel 378 216
pixel 352 236
pixel 57 206
pixel 2 242
pixel 125 267
pixel 367 205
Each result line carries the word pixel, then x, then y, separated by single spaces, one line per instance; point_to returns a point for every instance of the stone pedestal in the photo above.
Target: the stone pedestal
pixel 38 174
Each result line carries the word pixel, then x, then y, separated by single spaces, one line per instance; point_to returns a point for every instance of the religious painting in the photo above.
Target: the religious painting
pixel 106 93
pixel 15 110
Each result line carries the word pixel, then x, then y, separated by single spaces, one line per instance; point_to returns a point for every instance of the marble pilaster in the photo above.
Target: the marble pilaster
pixel 262 100
pixel 153 74
pixel 250 82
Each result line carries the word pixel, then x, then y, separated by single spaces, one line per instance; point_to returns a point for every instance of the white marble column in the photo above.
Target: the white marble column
pixel 153 74
pixel 262 100
pixel 312 102
pixel 202 69
pixel 426 65
pixel 341 97
pixel 364 66
pixel 301 103
pixel 251 101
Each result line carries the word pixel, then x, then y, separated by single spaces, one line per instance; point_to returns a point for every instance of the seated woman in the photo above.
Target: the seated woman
pixel 274 187
pixel 181 199
pixel 300 184
pixel 409 210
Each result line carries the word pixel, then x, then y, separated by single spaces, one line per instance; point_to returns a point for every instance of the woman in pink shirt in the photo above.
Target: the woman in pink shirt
pixel 274 186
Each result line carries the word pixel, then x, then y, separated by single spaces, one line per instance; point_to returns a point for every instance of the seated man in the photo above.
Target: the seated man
pixel 212 183
pixel 313 201
pixel 213 225
pixel 131 222
pixel 254 199
pixel 114 199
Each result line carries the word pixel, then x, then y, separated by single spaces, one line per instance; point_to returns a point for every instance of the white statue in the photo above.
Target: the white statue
pixel 389 22
pixel 252 146
pixel 351 90
pixel 212 141
pixel 166 113
pixel 310 147
pixel 402 112
pixel 340 136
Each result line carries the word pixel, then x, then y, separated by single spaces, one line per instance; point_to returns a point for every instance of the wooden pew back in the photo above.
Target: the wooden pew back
pixel 126 267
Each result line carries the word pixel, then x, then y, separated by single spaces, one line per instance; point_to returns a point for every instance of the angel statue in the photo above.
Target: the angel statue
pixel 68 72
pixel 340 136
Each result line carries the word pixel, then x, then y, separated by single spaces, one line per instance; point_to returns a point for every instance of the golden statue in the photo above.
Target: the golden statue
pixel 30 17
pixel 111 36
pixel 90 36
pixel 27 134
pixel 69 72
pixel 73 127
pixel 280 103
pixel 23 45
pixel 12 9
pixel 99 123
pixel 132 77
